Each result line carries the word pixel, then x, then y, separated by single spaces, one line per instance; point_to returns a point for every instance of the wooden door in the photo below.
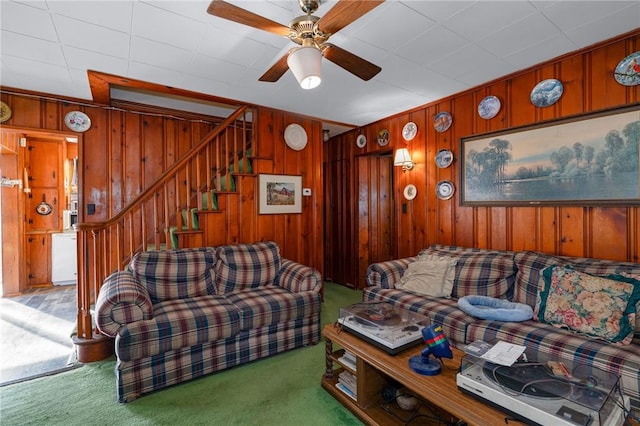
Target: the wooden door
pixel 375 226
pixel 38 259
pixel 43 163
pixel 340 255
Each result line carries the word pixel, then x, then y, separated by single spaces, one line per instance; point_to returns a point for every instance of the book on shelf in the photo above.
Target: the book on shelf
pixel 349 360
pixel 346 390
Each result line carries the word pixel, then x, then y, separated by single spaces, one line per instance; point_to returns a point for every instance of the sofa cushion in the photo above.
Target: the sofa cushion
pixel 178 324
pixel 597 306
pixel 242 266
pixel 270 305
pixel 547 343
pixel 175 274
pixel 478 271
pixel 530 264
pixel 430 275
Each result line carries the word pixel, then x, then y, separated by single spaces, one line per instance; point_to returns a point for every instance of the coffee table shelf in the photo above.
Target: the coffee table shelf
pixel 375 369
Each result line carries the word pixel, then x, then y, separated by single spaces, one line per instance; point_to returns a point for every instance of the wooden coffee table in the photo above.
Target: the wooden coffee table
pixel 376 368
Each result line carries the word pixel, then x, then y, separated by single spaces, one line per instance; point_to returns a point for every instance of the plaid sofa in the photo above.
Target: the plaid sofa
pixel 516 276
pixel 181 314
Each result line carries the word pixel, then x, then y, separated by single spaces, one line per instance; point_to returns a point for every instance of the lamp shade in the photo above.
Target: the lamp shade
pixel 306 64
pixel 402 157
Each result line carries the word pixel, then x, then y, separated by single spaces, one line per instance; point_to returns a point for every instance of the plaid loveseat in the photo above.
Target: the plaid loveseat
pixel 181 314
pixel 516 276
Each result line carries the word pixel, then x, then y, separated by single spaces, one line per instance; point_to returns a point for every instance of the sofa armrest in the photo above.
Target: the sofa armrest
pixel 298 278
pixel 387 274
pixel 122 300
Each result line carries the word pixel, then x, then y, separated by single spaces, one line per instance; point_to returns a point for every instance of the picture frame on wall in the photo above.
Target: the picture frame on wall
pixel 589 159
pixel 280 194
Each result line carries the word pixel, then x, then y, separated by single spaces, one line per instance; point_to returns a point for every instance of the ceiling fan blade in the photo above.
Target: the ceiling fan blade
pixel 225 10
pixel 276 71
pixel 344 13
pixel 350 62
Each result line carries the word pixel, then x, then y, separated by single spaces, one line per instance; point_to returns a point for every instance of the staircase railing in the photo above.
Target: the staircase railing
pixel 106 247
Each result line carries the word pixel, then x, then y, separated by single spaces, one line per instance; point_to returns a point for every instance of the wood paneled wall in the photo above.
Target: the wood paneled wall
pixel 126 149
pixel 603 232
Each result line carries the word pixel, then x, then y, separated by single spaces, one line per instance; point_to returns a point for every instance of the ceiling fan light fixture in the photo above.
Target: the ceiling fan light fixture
pixel 306 65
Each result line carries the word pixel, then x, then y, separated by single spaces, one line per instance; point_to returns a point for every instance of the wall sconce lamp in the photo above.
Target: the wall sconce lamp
pixel 326 135
pixel 403 159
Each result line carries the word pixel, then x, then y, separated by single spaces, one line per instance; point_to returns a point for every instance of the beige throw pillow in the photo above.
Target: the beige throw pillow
pixel 430 275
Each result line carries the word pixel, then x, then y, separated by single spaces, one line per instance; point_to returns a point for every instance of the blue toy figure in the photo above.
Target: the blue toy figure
pixel 438 346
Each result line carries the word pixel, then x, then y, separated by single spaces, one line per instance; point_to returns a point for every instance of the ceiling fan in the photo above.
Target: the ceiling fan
pixel 311 33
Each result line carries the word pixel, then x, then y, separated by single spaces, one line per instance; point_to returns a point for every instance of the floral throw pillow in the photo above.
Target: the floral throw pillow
pixel 603 307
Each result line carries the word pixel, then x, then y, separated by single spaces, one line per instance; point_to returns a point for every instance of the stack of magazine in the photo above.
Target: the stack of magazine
pixel 347 383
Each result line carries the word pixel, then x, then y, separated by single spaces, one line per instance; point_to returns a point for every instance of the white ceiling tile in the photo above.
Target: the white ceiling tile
pixel 190 9
pixel 85 60
pixel 36 49
pixel 485 71
pixel 236 49
pixel 216 69
pixel 20 72
pixel 25 19
pixel 146 52
pixel 110 14
pixel 519 35
pixel 438 10
pixel 545 50
pixel 92 37
pixel 622 21
pixel 432 45
pixel 153 74
pixel 380 33
pixel 563 13
pixel 486 17
pixel 459 62
pixel 166 27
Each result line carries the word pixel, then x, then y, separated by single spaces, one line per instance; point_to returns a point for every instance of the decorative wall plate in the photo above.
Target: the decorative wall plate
pixel 361 141
pixel 442 122
pixel 409 131
pixel 77 121
pixel 410 192
pixel 445 189
pixel 546 93
pixel 5 112
pixel 383 137
pixel 627 71
pixel 295 137
pixel 444 158
pixel 489 107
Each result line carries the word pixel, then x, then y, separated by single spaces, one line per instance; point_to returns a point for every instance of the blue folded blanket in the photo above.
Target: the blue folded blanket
pixel 495 309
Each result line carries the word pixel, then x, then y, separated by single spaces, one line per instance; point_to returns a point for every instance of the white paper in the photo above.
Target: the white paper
pixel 504 353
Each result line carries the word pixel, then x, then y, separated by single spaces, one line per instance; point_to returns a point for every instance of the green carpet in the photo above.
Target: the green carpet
pixel 280 390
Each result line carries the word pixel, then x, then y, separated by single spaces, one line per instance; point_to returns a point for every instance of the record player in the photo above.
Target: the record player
pixel 533 393
pixel 388 327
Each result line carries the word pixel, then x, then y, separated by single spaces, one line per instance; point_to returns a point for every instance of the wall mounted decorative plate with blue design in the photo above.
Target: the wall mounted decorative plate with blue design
pixel 546 93
pixel 627 72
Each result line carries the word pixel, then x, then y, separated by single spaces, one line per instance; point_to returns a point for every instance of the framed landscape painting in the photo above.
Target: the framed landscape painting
pixel 587 160
pixel 280 194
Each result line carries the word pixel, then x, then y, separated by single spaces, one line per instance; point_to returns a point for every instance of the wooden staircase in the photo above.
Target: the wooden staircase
pixel 179 210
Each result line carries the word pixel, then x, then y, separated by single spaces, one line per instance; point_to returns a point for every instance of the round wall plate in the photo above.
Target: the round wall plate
pixel 361 141
pixel 5 112
pixel 442 122
pixel 546 93
pixel 410 192
pixel 409 131
pixel 295 137
pixel 383 137
pixel 444 158
pixel 77 121
pixel 627 71
pixel 445 189
pixel 489 107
